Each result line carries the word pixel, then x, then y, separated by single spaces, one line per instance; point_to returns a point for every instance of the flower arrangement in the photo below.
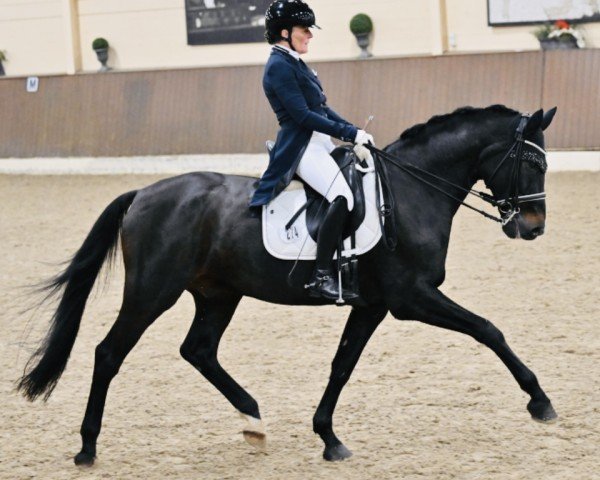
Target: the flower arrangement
pixel 560 31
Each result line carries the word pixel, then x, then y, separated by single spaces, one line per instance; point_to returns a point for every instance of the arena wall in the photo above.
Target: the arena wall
pixel 223 110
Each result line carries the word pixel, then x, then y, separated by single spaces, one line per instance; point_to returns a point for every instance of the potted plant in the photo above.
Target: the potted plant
pixel 2 59
pixel 100 46
pixel 362 26
pixel 559 36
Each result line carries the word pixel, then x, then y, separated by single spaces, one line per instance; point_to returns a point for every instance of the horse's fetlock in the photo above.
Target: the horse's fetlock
pixel 321 424
pixel 250 407
pixel 529 383
pixel 89 434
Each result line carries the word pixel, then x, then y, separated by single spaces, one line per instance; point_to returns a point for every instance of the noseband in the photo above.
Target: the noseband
pixel 510 206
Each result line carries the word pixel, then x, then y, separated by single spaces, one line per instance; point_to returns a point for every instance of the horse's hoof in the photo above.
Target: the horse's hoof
pixel 337 453
pixel 254 432
pixel 542 411
pixel 84 459
pixel 257 439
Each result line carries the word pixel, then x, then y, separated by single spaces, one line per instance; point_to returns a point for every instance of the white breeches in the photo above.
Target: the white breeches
pixel 319 170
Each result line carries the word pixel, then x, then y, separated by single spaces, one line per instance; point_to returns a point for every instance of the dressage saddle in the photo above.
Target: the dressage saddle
pixel 316 205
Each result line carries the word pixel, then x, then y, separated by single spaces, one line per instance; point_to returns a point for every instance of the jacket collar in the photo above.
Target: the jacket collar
pixel 287 50
pixel 298 64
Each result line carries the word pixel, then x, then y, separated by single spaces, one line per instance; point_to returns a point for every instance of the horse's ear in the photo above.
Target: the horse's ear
pixel 534 122
pixel 548 116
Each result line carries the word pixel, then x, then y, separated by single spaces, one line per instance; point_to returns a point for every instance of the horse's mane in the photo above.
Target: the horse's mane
pixel 416 131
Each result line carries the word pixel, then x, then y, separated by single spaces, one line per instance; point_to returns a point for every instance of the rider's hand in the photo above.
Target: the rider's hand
pixel 363 154
pixel 363 138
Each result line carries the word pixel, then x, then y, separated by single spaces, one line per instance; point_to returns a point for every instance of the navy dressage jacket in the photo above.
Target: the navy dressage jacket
pixel 297 98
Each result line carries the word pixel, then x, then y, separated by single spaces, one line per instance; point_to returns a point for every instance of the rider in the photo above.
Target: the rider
pixel 303 144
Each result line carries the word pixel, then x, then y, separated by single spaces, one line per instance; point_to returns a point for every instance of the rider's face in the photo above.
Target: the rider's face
pixel 300 38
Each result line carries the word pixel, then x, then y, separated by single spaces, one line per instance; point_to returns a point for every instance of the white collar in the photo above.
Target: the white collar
pixel 288 50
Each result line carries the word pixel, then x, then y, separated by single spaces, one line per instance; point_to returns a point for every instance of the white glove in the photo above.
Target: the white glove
pixel 364 155
pixel 363 138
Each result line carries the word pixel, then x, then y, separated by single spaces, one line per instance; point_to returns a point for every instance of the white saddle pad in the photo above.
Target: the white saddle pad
pixel 296 243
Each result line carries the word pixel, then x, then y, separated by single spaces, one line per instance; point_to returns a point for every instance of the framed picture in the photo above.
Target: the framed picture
pixel 523 12
pixel 225 21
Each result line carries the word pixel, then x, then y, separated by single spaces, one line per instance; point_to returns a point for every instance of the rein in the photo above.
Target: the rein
pixel 509 207
pixel 412 171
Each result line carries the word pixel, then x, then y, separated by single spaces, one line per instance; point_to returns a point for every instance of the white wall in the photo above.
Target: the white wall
pixel 32 34
pixel 149 34
pixel 146 34
pixel 152 33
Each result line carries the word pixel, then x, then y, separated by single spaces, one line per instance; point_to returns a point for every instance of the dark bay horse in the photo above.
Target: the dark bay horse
pixel 193 232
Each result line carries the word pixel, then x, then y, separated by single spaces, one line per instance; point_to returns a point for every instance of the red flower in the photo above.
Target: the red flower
pixel 562 25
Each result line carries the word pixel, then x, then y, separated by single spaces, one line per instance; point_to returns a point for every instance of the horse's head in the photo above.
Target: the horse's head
pixel 514 171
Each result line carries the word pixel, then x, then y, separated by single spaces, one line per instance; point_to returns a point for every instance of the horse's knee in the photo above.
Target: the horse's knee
pixel 200 359
pixel 204 359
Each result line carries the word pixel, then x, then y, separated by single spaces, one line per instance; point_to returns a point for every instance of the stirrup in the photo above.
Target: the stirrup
pixel 341 296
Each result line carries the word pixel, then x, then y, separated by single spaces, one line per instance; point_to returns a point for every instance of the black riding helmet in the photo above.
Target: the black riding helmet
pixel 285 15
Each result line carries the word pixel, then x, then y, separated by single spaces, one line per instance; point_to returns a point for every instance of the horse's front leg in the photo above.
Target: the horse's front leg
pixel 359 328
pixel 434 308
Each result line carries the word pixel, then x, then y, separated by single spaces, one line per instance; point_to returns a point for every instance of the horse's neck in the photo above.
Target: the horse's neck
pixel 453 154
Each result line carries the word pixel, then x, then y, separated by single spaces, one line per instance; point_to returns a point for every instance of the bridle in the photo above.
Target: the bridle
pixel 508 207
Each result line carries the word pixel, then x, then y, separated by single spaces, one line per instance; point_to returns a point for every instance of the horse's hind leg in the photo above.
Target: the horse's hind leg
pixel 435 308
pixel 132 321
pixel 359 328
pixel 200 349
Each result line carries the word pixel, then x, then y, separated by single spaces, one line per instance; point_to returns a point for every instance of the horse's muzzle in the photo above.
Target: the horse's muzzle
pixel 525 225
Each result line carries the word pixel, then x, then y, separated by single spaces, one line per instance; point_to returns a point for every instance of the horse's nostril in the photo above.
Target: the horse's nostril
pixel 537 231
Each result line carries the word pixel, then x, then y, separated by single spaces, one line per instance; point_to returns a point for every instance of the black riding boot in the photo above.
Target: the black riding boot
pixel 324 282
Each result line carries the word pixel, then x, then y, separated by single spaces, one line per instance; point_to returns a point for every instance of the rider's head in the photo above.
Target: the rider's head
pixel 289 21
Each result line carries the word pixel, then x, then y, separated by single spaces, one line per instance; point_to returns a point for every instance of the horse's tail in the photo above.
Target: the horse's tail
pixel 77 281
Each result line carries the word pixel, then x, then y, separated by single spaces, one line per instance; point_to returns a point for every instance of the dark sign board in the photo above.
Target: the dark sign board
pixel 225 21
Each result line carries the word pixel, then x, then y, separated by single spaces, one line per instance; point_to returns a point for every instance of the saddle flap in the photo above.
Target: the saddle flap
pixel 317 205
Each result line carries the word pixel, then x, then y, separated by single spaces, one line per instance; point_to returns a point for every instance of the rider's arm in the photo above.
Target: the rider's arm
pixel 334 116
pixel 288 91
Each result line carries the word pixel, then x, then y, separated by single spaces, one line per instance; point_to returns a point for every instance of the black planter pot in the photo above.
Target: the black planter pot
pixel 102 54
pixel 363 42
pixel 2 72
pixel 555 44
